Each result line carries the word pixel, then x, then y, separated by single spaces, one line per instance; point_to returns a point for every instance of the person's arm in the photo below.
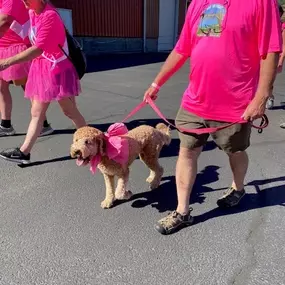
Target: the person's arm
pixel 268 67
pixel 5 22
pixel 9 11
pixel 270 47
pixel 283 42
pixel 176 59
pixel 282 55
pixel 26 55
pixel 45 37
pixel 173 63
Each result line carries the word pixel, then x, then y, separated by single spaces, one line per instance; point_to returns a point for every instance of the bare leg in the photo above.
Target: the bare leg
pixel 45 117
pixel 69 108
pixel 239 166
pixel 121 190
pixel 5 101
pixel 186 172
pixel 110 192
pixel 38 112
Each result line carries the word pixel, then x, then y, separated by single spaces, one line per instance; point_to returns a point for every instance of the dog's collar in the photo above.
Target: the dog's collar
pixel 117 147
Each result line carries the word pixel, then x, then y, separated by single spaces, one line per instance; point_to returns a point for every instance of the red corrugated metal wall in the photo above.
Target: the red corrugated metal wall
pixel 105 18
pixel 182 13
pixel 152 26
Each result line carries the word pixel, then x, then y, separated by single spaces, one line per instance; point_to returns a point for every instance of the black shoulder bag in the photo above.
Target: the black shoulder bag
pixel 76 54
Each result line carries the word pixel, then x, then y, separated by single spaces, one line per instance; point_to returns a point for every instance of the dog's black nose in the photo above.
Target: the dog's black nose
pixel 76 153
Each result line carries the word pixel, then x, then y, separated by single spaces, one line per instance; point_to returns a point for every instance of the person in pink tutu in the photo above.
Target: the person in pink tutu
pixel 14 27
pixel 52 76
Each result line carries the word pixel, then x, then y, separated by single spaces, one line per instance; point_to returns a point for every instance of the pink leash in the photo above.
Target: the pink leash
pixel 264 120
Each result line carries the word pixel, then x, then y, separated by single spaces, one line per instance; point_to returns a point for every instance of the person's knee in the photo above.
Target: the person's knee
pixel 71 112
pixel 4 87
pixel 37 111
pixel 68 112
pixel 68 108
pixel 190 153
pixel 237 154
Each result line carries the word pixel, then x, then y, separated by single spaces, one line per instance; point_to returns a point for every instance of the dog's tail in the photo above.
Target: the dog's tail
pixel 165 131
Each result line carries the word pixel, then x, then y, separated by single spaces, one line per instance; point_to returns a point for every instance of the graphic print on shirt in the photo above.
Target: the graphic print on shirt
pixel 211 21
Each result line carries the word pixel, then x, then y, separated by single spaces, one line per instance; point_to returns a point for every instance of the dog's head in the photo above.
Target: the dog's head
pixel 87 142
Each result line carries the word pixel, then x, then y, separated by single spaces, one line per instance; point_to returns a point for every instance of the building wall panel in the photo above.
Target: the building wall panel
pixel 181 14
pixel 152 27
pixel 105 18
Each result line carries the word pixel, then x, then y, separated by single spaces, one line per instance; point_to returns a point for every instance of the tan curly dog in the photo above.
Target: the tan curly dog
pixel 144 141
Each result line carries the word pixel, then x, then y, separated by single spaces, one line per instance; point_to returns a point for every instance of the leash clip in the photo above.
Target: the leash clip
pixel 263 124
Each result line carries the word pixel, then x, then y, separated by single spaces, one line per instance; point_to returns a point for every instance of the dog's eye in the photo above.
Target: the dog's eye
pixel 87 142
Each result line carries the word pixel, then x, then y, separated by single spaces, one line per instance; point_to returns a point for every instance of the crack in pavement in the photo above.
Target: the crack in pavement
pixel 114 93
pixel 243 274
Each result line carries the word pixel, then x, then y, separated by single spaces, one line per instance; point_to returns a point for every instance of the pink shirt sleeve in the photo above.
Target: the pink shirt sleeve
pixel 11 7
pixel 269 29
pixel 184 45
pixel 47 31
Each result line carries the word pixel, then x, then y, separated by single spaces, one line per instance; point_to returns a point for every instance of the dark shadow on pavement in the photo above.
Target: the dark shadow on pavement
pixel 117 61
pixel 164 198
pixel 38 163
pixel 282 107
pixel 268 197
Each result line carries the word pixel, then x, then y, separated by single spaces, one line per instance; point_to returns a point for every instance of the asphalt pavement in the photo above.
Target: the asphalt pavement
pixel 54 232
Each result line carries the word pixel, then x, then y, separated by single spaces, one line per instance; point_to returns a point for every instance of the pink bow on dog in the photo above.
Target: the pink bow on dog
pixel 117 148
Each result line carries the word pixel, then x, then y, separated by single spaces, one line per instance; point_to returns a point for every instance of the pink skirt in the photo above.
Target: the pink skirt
pixel 47 83
pixel 17 71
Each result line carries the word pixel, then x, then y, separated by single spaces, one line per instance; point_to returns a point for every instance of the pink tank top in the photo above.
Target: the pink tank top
pixel 19 29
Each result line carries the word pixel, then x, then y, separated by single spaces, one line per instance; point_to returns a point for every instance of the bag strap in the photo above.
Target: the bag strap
pixel 66 32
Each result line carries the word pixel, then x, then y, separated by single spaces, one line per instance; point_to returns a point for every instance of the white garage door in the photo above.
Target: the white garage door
pixel 167 24
pixel 66 16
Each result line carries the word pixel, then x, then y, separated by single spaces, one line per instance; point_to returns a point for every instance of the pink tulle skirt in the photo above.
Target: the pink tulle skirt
pixel 17 71
pixel 48 83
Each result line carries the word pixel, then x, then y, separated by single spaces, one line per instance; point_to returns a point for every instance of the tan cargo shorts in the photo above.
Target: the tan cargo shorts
pixel 232 139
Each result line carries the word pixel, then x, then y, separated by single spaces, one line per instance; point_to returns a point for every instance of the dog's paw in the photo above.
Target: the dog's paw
pixel 154 184
pixel 149 179
pixel 124 195
pixel 107 204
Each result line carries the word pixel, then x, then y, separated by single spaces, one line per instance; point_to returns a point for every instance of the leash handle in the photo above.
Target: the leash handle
pixel 263 124
pixel 264 121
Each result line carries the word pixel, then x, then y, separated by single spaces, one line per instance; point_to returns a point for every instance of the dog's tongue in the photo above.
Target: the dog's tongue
pixel 79 162
pixel 94 163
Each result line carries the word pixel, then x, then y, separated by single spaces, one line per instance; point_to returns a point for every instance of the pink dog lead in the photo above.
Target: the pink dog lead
pixel 264 121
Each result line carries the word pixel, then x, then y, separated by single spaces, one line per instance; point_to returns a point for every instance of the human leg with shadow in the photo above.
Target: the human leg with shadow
pixel 233 140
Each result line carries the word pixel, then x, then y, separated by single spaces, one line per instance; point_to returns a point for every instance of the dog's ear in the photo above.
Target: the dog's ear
pixel 101 145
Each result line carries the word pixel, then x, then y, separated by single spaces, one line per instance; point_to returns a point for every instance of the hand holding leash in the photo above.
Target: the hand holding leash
pixel 255 110
pixel 152 92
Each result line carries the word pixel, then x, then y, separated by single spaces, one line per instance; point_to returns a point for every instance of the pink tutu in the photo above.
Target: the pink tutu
pixel 48 83
pixel 17 71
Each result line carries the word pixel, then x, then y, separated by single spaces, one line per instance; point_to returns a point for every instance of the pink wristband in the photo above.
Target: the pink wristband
pixel 156 86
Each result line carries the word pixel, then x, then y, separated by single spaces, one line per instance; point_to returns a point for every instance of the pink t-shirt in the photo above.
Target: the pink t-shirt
pixel 226 41
pixel 47 32
pixel 17 10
